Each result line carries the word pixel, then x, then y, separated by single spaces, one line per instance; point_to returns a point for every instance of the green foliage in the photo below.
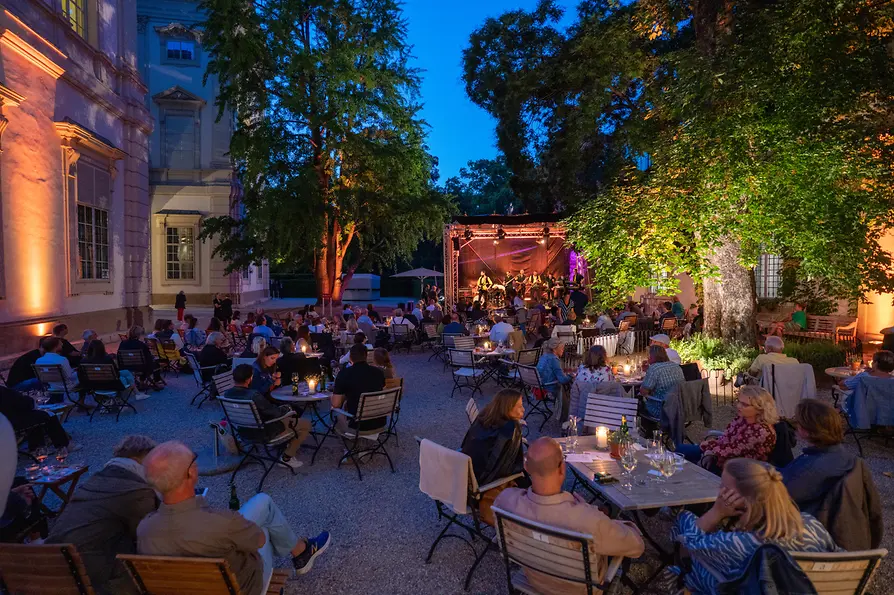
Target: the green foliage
pixel 767 126
pixel 716 354
pixel 483 188
pixel 328 143
pixel 814 295
pixel 819 354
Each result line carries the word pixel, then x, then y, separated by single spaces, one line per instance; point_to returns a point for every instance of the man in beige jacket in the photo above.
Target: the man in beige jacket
pixel 545 502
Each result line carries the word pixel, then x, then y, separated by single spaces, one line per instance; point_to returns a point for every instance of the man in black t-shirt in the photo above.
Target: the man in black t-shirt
pixel 21 375
pixel 351 382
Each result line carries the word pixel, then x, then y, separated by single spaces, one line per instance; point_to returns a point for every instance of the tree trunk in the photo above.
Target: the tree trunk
pixel 733 301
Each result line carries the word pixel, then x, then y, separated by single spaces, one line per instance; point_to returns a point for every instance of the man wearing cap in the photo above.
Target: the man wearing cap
pixel 665 341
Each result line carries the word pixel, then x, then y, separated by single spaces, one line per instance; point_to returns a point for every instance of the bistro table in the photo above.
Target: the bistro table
pixel 301 402
pixel 51 479
pixel 60 410
pixel 842 372
pixel 690 485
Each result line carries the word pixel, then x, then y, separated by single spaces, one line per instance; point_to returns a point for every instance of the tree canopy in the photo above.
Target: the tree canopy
pixel 483 188
pixel 329 143
pixel 766 127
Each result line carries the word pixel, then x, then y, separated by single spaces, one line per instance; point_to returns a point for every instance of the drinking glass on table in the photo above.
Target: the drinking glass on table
pixel 628 464
pixel 61 454
pixel 572 432
pixel 667 467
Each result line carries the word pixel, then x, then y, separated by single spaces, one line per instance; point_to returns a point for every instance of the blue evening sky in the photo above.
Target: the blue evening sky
pixel 459 130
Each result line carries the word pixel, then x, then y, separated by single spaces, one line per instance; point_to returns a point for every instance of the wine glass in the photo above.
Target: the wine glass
pixel 61 454
pixel 667 467
pixel 572 433
pixel 41 454
pixel 628 464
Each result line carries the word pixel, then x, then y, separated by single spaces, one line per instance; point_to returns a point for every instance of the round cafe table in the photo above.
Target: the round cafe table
pixel 301 402
pixel 842 372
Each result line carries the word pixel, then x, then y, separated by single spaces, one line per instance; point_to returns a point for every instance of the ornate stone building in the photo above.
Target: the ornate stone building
pixel 190 171
pixel 73 170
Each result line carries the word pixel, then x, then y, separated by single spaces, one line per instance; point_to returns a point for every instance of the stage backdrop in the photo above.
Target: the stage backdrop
pixel 510 254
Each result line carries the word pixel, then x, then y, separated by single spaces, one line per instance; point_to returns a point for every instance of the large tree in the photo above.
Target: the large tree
pixel 328 143
pixel 483 187
pixel 766 126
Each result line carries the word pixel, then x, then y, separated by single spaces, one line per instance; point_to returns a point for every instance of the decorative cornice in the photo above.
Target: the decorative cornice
pixel 77 137
pixel 179 30
pixel 10 97
pixel 178 94
pixel 27 51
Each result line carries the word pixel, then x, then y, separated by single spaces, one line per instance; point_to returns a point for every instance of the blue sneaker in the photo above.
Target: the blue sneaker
pixel 304 561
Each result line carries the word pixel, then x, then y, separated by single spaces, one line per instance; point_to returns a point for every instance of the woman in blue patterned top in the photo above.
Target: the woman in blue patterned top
pixel 753 508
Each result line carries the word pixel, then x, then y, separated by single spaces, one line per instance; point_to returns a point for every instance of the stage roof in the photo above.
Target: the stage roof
pixel 526 219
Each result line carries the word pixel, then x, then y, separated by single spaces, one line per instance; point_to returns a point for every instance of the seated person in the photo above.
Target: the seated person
pixel 545 502
pixel 552 377
pixel 494 440
pixel 773 347
pixel 796 322
pixel 382 360
pixel 53 357
pixel 194 337
pixel 213 355
pixel 257 345
pixel 19 409
pixel 68 350
pixel 455 327
pixel 628 312
pixel 882 366
pixel 359 338
pixel 665 311
pixel 754 500
pixel 604 322
pixel 824 463
pixel 303 343
pixel 185 525
pixel 351 382
pixel 242 379
pixel 678 309
pixel 266 376
pixel 373 315
pixel 665 341
pixel 21 375
pixel 134 342
pixel 749 435
pixel 262 329
pixel 500 330
pixel 164 330
pixel 662 377
pixel 399 318
pixel 102 517
pixel 96 354
pixel 543 335
pixel 593 370
pixel 88 335
pixel 290 362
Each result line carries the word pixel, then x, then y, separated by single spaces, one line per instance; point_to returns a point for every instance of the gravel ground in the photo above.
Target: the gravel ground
pixel 382 526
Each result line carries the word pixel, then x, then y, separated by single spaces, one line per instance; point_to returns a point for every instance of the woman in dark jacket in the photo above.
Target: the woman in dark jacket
pixel 226 309
pixel 494 442
pixel 134 342
pixel 212 354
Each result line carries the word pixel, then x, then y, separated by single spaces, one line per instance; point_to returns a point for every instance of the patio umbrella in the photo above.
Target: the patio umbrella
pixel 419 274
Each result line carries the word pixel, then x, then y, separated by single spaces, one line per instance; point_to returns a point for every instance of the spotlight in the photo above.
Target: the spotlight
pixel 468 234
pixel 545 237
pixel 500 235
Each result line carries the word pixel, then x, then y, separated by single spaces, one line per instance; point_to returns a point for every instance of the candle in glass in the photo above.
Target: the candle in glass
pixel 487 345
pixel 304 349
pixel 311 385
pixel 602 437
pixel 627 369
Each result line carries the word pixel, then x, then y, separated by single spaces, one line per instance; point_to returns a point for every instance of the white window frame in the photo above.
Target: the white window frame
pixel 93 245
pixel 75 13
pixel 768 282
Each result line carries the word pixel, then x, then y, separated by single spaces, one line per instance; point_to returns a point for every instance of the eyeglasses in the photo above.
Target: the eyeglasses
pixel 195 458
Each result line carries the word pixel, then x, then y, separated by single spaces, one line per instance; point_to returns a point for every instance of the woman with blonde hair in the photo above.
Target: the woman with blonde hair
pixel 755 507
pixel 382 359
pixel 351 326
pixel 750 434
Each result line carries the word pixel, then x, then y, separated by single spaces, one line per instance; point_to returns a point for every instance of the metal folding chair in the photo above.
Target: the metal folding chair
pixel 54 381
pixel 536 393
pixel 401 337
pixel 465 371
pixel 104 383
pixel 198 373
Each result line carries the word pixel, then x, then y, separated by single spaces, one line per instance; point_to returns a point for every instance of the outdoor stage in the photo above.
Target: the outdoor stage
pixel 500 244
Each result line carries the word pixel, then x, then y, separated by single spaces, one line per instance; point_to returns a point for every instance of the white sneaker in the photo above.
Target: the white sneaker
pixel 292 463
pixel 141 396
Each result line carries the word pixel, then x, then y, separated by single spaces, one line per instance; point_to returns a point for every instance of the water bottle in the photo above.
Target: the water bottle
pixel 234 499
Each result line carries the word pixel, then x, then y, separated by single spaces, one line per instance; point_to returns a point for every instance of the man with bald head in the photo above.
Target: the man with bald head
pixel 185 525
pixel 545 502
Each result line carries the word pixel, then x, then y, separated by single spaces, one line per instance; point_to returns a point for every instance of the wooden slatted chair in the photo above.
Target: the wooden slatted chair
pixel 401 337
pixel 55 382
pixel 395 383
pixel 465 371
pixel 606 410
pixel 252 442
pixel 429 334
pixel 537 394
pixel 103 382
pixel 169 575
pixel 200 374
pixel 472 410
pixel 464 343
pixel 364 444
pixel 134 360
pixel 222 382
pixel 161 357
pixel 553 551
pixel 42 570
pixel 840 573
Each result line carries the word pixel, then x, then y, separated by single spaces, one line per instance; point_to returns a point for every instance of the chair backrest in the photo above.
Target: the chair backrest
pixel 394 383
pixel 131 359
pixel 196 369
pixel 668 324
pixel 155 348
pixel 43 570
pixel 472 410
pixel 431 330
pixel 377 404
pixel 99 377
pixel 449 340
pixel 464 343
pixel 242 415
pixel 50 373
pixel 400 331
pixel 529 357
pixel 223 382
pixel 163 575
pixel 529 376
pixel 168 345
pixel 624 325
pixel 788 383
pixel 837 573
pixel 461 358
pixel 558 552
pixel 606 410
pixel 242 360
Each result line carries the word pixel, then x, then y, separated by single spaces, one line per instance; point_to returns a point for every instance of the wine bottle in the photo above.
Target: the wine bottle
pixel 624 430
pixel 234 499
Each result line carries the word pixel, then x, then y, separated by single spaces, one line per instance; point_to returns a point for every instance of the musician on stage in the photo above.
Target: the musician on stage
pixel 509 283
pixel 536 284
pixel 484 282
pixel 521 283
